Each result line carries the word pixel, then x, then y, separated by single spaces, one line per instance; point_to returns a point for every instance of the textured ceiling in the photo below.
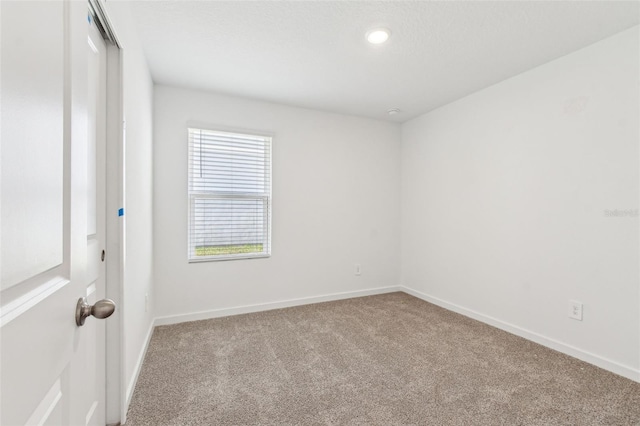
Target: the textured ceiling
pixel 314 54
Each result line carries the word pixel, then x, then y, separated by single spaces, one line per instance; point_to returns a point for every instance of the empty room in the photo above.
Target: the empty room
pixel 320 212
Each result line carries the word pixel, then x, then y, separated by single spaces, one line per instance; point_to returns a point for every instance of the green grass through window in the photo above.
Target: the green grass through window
pixel 230 249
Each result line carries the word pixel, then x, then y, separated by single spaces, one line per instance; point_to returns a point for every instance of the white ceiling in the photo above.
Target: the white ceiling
pixel 314 54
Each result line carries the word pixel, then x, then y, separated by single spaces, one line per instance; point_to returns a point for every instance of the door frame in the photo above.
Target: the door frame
pixel 115 392
pixel 115 237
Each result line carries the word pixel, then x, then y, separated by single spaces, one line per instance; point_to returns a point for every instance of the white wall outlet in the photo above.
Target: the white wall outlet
pixel 575 310
pixel 146 302
pixel 358 269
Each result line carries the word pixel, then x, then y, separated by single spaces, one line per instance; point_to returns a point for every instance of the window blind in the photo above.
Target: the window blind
pixel 229 195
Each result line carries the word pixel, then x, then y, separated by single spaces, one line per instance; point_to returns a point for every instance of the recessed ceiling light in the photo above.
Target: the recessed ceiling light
pixel 378 36
pixel 393 111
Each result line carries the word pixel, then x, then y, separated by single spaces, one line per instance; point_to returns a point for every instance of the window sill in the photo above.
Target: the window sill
pixel 223 258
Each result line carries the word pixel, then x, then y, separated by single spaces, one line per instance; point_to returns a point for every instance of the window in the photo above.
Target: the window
pixel 229 195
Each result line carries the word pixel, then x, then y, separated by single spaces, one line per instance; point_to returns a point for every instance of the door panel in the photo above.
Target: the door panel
pixel 36 334
pixel 36 349
pixel 49 411
pixel 32 114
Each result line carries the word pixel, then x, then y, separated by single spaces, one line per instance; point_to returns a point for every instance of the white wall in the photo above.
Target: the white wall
pixel 138 186
pixel 504 195
pixel 335 203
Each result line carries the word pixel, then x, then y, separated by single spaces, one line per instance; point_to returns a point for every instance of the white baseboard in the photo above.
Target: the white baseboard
pixel 136 372
pixel 225 312
pixel 596 360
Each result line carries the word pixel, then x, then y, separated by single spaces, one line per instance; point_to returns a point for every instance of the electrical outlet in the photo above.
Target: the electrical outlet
pixel 358 269
pixel 575 310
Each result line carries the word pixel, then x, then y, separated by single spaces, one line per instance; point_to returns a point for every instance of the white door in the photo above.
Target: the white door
pixel 52 370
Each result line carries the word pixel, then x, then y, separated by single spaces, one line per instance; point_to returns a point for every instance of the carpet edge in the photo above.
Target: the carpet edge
pixel 598 361
pixel 246 309
pixel 136 372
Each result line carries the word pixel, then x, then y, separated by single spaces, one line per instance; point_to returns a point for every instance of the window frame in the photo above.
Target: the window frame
pixel 193 196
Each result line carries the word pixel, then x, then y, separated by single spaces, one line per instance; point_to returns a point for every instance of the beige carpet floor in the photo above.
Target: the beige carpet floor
pixel 382 360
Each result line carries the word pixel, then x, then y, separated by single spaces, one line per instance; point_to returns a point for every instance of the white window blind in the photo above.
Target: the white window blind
pixel 229 195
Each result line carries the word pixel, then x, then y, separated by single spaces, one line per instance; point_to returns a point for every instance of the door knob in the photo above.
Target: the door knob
pixel 102 309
